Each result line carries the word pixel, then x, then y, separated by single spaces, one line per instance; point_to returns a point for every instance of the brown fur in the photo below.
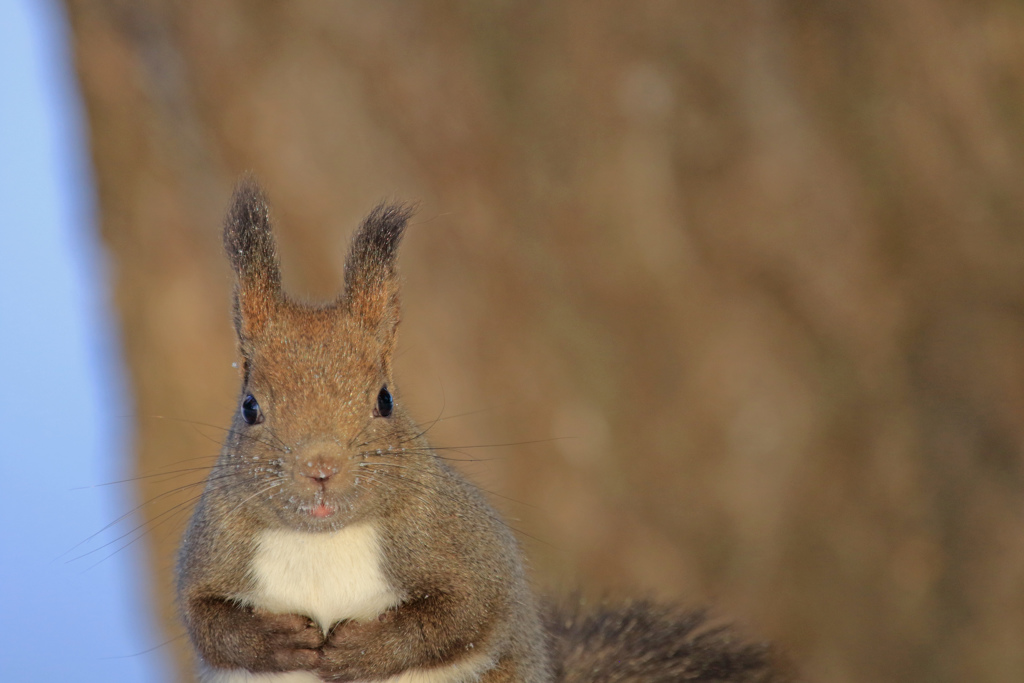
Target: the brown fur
pixel 644 642
pixel 250 248
pixel 316 372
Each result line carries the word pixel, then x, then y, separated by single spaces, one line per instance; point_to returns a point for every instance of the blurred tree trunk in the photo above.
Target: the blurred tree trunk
pixel 763 261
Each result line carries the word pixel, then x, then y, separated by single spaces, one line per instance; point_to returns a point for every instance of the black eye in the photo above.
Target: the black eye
pixel 251 412
pixel 384 402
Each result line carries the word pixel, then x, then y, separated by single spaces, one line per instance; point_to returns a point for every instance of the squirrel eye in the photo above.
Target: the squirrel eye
pixel 251 412
pixel 384 402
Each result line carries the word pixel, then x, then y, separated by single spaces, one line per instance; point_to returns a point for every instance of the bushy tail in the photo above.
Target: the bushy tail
pixel 644 642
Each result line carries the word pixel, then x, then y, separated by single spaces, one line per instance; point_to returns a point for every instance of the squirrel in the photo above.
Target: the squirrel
pixel 330 542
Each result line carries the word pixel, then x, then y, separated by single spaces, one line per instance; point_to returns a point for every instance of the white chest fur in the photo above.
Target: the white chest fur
pixel 329 577
pixel 325 576
pixel 467 670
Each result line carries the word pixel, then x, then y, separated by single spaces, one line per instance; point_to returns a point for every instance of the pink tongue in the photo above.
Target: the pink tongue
pixel 322 510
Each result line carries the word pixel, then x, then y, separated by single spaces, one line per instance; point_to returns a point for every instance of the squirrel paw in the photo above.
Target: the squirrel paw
pixel 289 642
pixel 347 653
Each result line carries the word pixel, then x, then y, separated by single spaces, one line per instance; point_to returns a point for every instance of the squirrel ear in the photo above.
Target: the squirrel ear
pixel 371 278
pixel 250 246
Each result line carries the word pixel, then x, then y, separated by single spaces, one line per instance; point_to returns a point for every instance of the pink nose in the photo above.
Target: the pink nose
pixel 317 470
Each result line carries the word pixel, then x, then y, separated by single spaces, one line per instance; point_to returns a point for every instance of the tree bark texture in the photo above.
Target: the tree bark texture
pixel 751 273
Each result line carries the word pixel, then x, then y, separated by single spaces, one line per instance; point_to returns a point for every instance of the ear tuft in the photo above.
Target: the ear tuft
pixel 250 247
pixel 248 240
pixel 371 276
pixel 375 244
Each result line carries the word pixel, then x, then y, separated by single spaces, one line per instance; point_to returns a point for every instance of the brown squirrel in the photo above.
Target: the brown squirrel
pixel 331 544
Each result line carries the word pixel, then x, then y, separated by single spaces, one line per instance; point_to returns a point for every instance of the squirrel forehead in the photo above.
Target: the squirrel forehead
pixel 315 351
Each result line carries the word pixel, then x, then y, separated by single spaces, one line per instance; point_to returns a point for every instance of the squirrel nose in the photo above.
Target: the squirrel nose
pixel 318 471
pixel 321 476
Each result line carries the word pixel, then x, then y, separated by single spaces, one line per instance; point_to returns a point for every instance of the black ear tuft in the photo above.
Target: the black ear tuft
pixel 371 278
pixel 375 244
pixel 250 247
pixel 248 240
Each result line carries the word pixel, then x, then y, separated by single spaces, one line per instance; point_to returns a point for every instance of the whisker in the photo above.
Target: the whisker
pixel 145 652
pixel 271 485
pixel 177 489
pixel 176 510
pixel 422 431
pixel 167 515
pixel 281 446
pixel 503 445
pixel 439 475
pixel 174 474
pixel 423 487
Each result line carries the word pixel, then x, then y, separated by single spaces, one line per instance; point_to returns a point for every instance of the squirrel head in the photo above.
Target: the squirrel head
pixel 316 387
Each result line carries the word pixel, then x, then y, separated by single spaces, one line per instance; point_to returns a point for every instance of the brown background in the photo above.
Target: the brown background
pixel 762 262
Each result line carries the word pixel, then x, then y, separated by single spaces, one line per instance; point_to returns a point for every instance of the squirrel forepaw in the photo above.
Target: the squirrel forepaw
pixel 290 642
pixel 350 649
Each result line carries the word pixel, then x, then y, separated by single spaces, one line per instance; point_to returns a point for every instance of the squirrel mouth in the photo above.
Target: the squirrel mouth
pixel 321 510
